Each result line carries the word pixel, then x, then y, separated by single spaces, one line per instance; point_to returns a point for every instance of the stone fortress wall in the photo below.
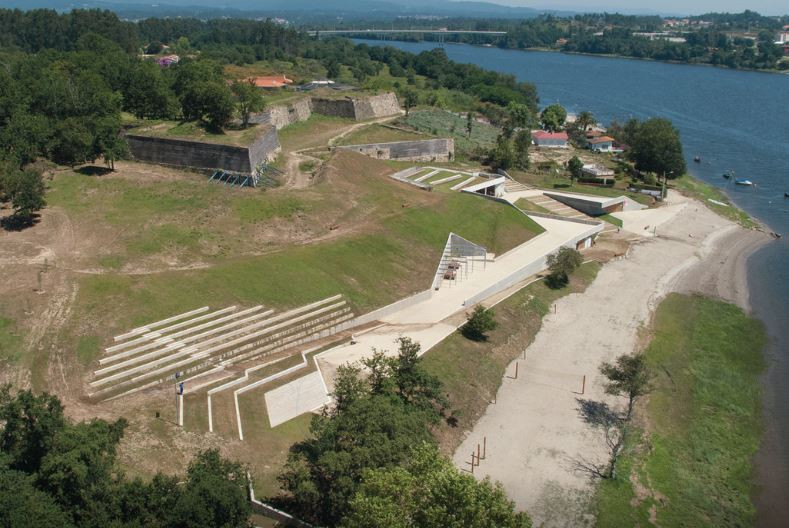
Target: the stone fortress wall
pixel 201 155
pixel 417 150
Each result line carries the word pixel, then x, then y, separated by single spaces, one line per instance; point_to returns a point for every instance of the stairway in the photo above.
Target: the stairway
pixel 511 186
pixel 558 208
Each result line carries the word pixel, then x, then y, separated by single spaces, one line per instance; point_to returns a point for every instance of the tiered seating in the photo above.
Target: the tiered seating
pixel 203 343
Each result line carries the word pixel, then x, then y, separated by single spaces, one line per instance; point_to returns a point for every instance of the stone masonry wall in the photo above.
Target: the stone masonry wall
pixel 419 150
pixel 334 107
pixel 201 155
pixel 281 116
pixel 376 106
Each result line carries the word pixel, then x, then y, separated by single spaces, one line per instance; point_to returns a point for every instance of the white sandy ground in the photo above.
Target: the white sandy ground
pixel 534 432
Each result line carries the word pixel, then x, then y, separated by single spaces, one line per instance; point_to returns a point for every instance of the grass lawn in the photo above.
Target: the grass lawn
pixel 611 219
pixel 704 192
pixel 313 132
pixel 377 133
pixel 561 183
pixel 472 372
pixel 393 255
pixel 10 341
pixel 196 131
pixel 528 205
pixel 701 424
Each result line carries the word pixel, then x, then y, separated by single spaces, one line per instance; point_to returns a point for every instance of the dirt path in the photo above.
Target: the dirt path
pixel 534 431
pixel 295 178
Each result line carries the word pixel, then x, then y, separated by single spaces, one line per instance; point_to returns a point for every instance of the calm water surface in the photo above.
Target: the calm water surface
pixel 732 119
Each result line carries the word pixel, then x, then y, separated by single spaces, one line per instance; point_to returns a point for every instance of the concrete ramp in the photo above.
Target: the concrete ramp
pixel 295 398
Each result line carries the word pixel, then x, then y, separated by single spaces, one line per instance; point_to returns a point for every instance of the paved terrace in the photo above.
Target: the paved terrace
pixel 431 320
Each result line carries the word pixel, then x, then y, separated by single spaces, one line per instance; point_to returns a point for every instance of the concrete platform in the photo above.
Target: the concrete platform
pixel 295 398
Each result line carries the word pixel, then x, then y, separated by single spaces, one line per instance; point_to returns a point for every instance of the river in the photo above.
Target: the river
pixel 733 120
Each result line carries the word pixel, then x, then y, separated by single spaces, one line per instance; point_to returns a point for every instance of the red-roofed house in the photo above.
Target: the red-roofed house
pixel 602 144
pixel 542 138
pixel 271 81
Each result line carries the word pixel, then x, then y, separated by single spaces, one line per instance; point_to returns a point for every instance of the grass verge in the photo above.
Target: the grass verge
pixel 472 372
pixel 611 220
pixel 691 466
pixel 705 192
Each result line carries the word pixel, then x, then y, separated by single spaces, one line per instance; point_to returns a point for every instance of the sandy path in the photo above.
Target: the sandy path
pixel 534 433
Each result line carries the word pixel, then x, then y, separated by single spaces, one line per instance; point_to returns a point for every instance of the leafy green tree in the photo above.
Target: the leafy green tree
pixel 479 323
pixel 410 99
pixel 521 145
pixel 154 48
pixel 575 168
pixel 28 196
pixel 22 505
pixel 209 101
pixel 469 124
pixel 553 117
pixel 429 492
pixel 248 100
pixel 25 138
pixel 28 426
pixel 656 147
pixel 324 471
pixel 108 141
pixel 585 120
pixel 146 92
pixel 561 264
pixel 215 494
pixel 73 143
pixel 521 115
pixel 502 156
pixel 629 376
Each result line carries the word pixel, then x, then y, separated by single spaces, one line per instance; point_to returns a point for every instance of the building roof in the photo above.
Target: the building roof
pixel 542 134
pixel 601 139
pixel 271 81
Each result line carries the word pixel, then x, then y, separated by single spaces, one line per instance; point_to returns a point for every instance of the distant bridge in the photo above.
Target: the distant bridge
pixel 440 32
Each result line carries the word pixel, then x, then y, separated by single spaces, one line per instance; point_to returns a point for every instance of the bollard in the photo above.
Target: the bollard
pixel 484 447
pixel 477 454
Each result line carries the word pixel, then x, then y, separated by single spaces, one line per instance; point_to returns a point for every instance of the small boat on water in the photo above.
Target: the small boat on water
pixel 786 195
pixel 697 159
pixel 743 181
pixel 728 174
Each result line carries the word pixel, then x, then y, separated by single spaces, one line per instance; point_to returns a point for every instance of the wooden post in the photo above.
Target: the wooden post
pixel 477 454
pixel 484 447
pixel 516 370
pixel 583 385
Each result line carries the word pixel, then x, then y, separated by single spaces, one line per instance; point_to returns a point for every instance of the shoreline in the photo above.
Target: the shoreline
pixel 698 252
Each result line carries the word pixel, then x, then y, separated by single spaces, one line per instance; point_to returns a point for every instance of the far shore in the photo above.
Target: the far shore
pixel 534 433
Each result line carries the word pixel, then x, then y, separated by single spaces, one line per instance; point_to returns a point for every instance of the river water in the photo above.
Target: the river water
pixel 734 120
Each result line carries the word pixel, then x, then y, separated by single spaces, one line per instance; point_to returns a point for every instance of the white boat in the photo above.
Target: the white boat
pixel 743 181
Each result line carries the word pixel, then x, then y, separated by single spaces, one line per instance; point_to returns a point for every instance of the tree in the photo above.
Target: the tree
pixel 25 190
pixel 469 123
pixel 324 471
pixel 410 99
pixel 154 48
pixel 248 100
pixel 585 120
pixel 108 142
pixel 520 115
pixel 628 377
pixel 429 492
pixel 656 147
pixel 553 117
pixel 522 145
pixel 209 101
pixel 575 167
pixel 502 156
pixel 561 264
pixel 479 322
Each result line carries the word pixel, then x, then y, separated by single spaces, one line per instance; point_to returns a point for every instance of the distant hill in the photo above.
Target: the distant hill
pixel 302 10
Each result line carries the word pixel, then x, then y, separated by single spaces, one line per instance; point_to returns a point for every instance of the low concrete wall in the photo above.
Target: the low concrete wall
pixel 590 207
pixel 201 155
pixel 418 150
pixel 526 271
pixel 389 309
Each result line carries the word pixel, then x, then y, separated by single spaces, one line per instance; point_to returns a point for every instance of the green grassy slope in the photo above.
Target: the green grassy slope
pixel 702 422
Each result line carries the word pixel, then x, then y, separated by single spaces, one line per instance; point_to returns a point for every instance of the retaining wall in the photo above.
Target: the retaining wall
pixel 358 108
pixel 389 309
pixel 280 116
pixel 201 155
pixel 418 150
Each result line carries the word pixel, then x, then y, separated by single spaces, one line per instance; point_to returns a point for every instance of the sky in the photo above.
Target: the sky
pixel 765 7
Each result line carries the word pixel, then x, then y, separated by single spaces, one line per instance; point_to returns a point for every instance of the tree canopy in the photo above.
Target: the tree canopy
pixel 427 491
pixel 655 147
pixel 57 473
pixel 553 117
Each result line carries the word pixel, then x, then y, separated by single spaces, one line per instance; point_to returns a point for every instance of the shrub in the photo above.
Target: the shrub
pixel 479 323
pixel 561 264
